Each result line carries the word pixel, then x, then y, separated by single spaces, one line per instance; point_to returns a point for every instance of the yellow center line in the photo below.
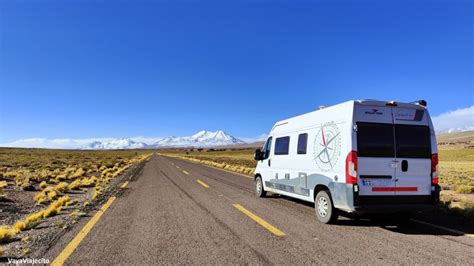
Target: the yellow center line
pixel 259 220
pixel 202 183
pixel 124 185
pixel 184 171
pixel 69 249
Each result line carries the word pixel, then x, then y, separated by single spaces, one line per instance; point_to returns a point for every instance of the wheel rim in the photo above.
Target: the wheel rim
pixel 323 206
pixel 259 186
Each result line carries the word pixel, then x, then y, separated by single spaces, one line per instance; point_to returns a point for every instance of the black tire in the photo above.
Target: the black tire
pixel 259 191
pixel 324 208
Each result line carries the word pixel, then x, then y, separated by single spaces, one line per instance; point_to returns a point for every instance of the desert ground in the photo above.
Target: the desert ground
pixel 198 206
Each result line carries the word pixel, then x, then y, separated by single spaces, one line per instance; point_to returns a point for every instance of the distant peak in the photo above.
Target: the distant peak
pixel 201 133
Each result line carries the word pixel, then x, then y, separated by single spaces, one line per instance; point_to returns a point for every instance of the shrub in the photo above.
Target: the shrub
pixel 61 177
pixel 61 187
pixel 7 233
pixel 11 174
pixel 78 173
pixel 40 198
pixel 20 225
pixel 87 182
pixel 465 189
pixel 52 194
pixel 75 184
pixel 97 191
pixel 3 184
pixel 43 185
pixel 33 219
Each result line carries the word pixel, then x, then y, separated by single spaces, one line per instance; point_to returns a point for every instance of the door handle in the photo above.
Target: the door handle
pixel 404 165
pixel 269 162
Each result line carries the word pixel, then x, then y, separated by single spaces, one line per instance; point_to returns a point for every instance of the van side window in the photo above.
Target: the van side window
pixel 282 145
pixel 302 143
pixel 268 146
pixel 375 140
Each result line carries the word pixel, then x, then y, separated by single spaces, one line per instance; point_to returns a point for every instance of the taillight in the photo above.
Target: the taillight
pixel 434 169
pixel 351 168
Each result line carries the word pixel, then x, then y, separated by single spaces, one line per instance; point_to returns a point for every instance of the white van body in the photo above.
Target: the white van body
pixel 371 156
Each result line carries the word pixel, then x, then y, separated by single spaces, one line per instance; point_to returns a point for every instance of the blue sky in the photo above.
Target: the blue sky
pixel 84 69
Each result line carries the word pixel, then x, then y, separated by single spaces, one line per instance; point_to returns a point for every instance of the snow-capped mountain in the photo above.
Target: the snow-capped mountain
pixel 115 144
pixel 201 139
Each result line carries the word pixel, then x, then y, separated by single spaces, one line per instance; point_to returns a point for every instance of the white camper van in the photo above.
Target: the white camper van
pixel 362 156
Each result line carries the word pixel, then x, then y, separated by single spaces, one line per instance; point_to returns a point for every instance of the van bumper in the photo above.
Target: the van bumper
pixel 392 204
pixel 393 208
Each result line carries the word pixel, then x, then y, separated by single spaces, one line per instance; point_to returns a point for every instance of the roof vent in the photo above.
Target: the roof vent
pixel 422 103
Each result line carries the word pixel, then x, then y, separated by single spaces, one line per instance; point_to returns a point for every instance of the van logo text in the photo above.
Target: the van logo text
pixel 373 112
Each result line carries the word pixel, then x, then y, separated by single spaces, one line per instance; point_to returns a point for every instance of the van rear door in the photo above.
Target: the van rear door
pixel 413 153
pixel 375 152
pixel 375 149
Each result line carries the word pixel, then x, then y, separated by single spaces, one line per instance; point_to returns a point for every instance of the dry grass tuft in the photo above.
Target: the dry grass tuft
pixel 61 187
pixel 464 189
pixel 7 233
pixel 43 184
pixel 40 198
pixel 52 195
pixel 3 185
pixel 20 226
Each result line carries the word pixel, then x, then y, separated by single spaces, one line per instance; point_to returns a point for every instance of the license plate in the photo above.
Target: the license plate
pixel 376 183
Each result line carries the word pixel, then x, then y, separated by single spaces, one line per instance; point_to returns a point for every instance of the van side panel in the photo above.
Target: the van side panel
pixel 328 143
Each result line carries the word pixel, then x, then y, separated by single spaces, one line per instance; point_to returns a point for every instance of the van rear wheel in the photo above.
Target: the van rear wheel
pixel 324 208
pixel 259 191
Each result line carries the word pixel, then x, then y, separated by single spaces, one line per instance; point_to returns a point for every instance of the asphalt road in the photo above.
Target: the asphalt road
pixel 167 217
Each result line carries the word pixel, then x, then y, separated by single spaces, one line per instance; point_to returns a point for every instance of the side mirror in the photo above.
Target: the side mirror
pixel 258 155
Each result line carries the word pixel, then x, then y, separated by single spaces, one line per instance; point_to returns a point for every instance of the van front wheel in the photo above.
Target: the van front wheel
pixel 259 187
pixel 324 208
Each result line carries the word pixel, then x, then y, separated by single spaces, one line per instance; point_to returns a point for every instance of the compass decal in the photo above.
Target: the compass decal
pixel 327 146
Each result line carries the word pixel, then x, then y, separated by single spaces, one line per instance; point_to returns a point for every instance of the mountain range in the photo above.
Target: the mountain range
pixel 201 139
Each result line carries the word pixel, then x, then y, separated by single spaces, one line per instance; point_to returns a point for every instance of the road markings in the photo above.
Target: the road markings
pixel 69 249
pixel 184 171
pixel 259 220
pixel 202 183
pixel 217 168
pixel 444 228
pixel 124 185
pixel 177 167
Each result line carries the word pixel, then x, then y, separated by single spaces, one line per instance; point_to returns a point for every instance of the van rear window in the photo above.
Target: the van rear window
pixel 413 141
pixel 388 140
pixel 375 140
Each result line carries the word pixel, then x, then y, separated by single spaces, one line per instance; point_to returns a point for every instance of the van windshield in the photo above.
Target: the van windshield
pixel 388 140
